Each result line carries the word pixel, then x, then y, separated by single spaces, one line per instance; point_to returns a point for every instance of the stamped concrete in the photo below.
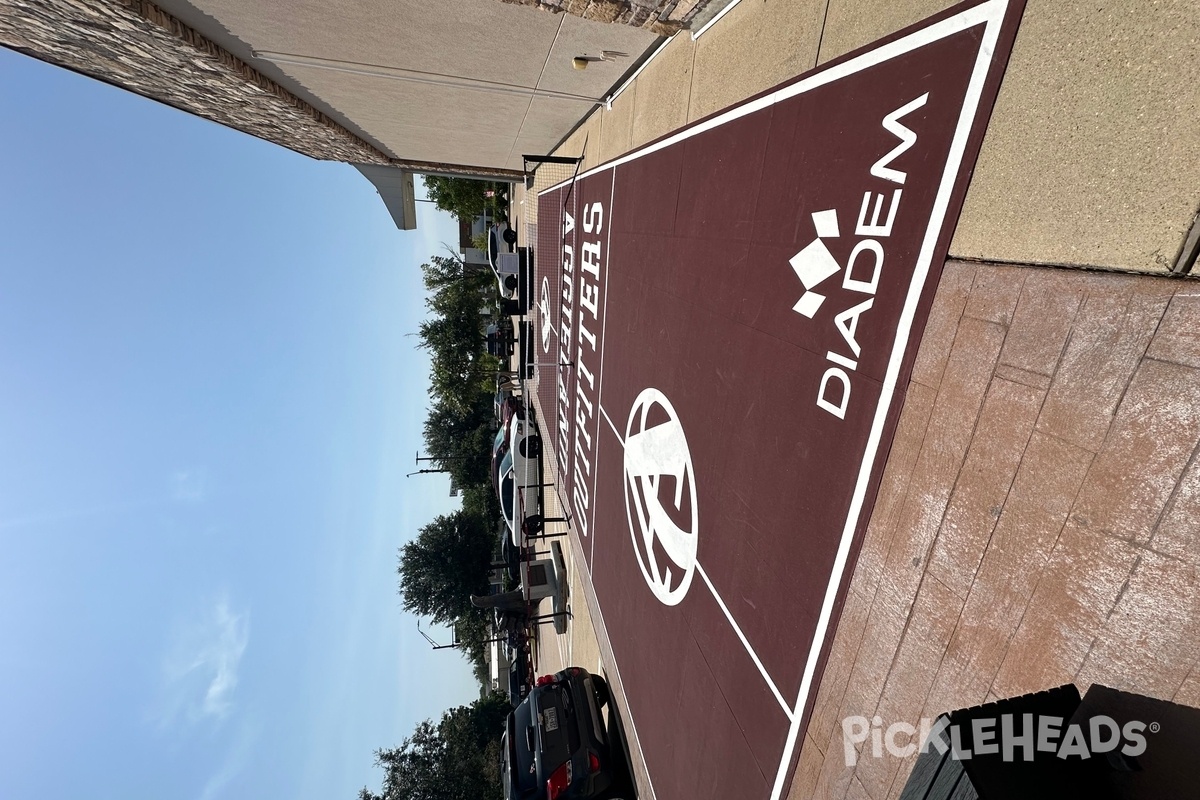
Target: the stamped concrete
pixel 1038 547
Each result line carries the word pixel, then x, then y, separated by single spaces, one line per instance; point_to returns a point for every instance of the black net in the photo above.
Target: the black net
pixel 541 173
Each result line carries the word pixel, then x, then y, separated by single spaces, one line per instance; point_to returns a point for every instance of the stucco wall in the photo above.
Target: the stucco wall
pixel 460 85
pixel 663 17
pixel 458 81
pixel 135 45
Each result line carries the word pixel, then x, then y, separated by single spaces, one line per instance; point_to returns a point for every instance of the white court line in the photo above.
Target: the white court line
pixel 991 14
pixel 899 47
pixel 608 419
pixel 595 604
pixel 745 643
pixel 563 383
pixel 728 614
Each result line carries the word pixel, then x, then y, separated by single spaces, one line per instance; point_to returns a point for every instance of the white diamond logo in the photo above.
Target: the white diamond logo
pixel 814 264
pixel 808 304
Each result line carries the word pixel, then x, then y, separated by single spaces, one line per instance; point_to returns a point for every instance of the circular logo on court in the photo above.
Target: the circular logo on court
pixel 544 313
pixel 660 496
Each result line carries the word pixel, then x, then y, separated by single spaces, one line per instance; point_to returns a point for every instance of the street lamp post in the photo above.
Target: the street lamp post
pixel 432 458
pixel 434 644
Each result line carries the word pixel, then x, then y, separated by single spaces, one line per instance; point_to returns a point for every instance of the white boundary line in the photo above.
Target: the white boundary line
pixel 615 431
pixel 737 629
pixel 990 13
pixel 569 458
pixel 590 589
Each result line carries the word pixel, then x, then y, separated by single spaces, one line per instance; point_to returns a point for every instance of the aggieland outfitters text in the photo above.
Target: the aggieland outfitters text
pixel 578 347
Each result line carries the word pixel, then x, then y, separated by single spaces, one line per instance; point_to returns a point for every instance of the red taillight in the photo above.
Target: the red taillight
pixel 593 762
pixel 542 681
pixel 558 782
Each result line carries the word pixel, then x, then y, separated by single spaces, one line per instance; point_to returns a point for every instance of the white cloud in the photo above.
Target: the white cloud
pixel 200 670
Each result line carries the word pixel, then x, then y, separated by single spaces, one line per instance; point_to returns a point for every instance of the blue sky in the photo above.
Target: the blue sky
pixel 209 399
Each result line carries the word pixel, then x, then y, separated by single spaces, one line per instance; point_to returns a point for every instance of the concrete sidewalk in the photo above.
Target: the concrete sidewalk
pixel 1092 157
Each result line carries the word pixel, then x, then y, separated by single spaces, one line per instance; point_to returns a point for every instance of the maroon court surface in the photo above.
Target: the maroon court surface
pixel 725 324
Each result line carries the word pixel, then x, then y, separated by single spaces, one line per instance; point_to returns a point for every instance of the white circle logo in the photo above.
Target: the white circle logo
pixel 657 463
pixel 544 311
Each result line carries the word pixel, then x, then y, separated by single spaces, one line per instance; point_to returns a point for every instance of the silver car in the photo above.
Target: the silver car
pixel 505 263
pixel 519 478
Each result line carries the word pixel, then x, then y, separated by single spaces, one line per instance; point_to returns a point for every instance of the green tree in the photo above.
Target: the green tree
pixel 451 557
pixel 466 199
pixel 458 759
pixel 460 369
pixel 445 564
pixel 460 439
pixel 416 770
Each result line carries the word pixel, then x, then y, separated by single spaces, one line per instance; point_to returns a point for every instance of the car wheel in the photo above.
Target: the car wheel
pixel 533 524
pixel 532 447
pixel 601 687
pixel 510 236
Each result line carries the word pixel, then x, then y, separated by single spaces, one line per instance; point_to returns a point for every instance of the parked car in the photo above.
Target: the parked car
pixel 518 477
pixel 506 263
pixel 499 451
pixel 555 745
pixel 506 232
pixel 517 650
pixel 510 409
pixel 506 406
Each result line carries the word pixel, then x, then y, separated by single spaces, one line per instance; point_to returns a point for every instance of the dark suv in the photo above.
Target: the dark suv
pixel 555 745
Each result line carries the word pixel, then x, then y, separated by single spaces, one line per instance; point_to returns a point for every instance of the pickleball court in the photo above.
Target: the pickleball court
pixel 724 322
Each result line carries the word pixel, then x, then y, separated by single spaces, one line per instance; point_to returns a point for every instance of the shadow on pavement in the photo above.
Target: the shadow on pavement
pixel 625 786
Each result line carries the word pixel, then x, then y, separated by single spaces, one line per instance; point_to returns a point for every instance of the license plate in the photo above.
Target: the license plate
pixel 550 719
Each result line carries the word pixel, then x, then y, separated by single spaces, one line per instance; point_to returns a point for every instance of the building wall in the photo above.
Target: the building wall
pixel 137 46
pixel 475 82
pixel 660 16
pixel 456 86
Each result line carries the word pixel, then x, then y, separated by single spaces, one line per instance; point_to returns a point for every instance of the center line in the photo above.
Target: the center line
pixel 787 710
pixel 608 419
